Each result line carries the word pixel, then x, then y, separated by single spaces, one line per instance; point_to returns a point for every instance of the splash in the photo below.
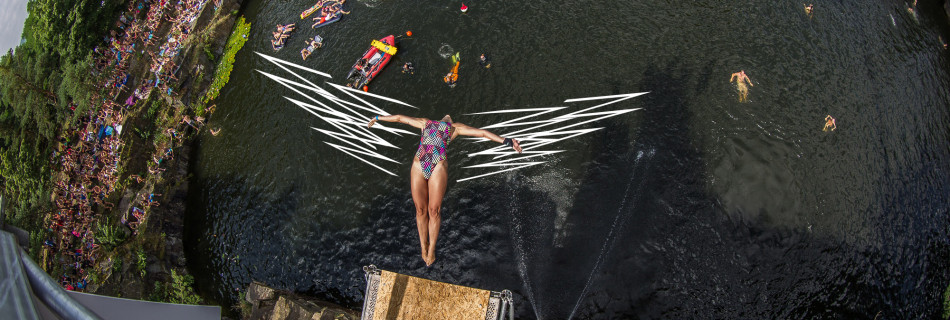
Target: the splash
pixel 619 222
pixel 445 51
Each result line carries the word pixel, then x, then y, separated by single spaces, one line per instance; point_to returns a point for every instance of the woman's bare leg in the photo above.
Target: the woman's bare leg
pixel 437 184
pixel 420 196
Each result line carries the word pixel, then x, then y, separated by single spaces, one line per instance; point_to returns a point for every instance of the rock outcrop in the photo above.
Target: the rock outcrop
pixel 269 304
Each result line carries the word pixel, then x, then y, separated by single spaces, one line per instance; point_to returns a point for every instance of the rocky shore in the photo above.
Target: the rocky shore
pixel 264 303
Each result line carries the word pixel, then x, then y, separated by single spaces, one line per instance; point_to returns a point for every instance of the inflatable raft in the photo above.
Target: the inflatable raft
pixel 372 62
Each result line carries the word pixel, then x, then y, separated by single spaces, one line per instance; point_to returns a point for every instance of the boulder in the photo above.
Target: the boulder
pixel 334 314
pixel 288 309
pixel 258 292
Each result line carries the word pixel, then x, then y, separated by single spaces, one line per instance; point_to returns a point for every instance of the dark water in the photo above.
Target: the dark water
pixel 696 206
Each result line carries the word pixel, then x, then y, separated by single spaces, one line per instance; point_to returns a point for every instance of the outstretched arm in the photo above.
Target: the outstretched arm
pixel 734 75
pixel 481 133
pixel 415 122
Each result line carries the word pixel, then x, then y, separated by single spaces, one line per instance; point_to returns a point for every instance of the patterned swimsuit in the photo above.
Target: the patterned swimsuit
pixel 432 145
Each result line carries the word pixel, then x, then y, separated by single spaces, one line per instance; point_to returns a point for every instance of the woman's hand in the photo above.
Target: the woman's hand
pixel 371 122
pixel 516 145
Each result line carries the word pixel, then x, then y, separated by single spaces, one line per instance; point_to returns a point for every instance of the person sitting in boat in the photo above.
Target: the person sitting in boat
pixel 329 16
pixel 360 64
pixel 278 41
pixel 369 65
pixel 314 44
pixel 327 10
pixel 332 7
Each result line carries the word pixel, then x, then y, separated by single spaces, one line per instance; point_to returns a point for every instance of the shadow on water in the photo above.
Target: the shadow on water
pixel 561 262
pixel 224 248
pixel 682 256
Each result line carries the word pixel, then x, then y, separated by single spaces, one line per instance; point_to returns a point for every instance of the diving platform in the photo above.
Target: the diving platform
pixel 390 295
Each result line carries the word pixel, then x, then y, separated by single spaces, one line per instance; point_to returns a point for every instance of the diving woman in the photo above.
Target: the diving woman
pixel 429 172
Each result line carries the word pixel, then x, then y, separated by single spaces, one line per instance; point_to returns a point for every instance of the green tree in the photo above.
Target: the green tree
pixel 39 83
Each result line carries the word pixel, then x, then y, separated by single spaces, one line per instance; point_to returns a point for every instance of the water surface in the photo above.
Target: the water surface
pixel 696 206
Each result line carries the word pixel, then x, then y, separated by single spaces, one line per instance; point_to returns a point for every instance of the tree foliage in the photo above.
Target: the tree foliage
pixel 41 81
pixel 179 290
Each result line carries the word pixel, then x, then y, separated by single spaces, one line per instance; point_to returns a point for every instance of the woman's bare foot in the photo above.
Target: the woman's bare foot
pixel 430 260
pixel 425 256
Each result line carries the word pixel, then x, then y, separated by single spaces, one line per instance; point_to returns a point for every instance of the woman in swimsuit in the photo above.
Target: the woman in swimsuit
pixel 429 171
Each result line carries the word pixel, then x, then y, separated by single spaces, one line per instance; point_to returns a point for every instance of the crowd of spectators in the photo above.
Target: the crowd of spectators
pixel 88 161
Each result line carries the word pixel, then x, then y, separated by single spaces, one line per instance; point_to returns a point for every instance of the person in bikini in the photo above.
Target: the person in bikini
pixel 429 172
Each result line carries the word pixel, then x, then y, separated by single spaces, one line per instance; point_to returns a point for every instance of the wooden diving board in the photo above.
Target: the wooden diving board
pixel 393 296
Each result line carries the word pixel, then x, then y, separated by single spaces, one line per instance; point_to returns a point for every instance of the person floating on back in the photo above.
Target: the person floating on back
pixel 740 78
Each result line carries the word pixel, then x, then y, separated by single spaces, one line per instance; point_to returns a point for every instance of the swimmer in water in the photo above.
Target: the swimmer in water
pixel 741 79
pixel 809 9
pixel 829 124
pixel 408 68
pixel 453 77
pixel 429 173
pixel 484 61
